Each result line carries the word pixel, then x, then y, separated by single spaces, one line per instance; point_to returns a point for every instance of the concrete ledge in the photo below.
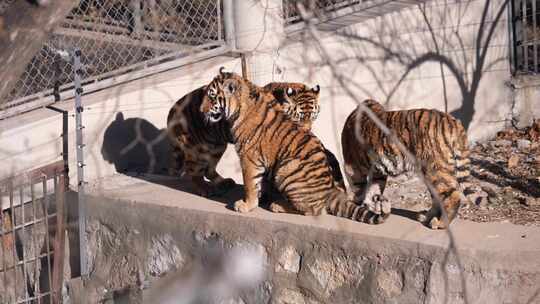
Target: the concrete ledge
pixel 325 258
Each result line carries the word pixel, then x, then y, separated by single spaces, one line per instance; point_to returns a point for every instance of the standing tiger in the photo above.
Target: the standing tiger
pixel 437 140
pixel 271 146
pixel 198 146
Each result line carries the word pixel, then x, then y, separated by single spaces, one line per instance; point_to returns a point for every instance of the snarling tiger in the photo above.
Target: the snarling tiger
pixel 198 147
pixel 271 146
pixel 437 141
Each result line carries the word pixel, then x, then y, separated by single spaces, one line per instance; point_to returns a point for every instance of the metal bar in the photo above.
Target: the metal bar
pixel 535 44
pixel 514 37
pixel 42 255
pixel 228 23
pixel 35 174
pixel 42 295
pixel 13 238
pixel 80 160
pixel 65 138
pixel 524 41
pixel 218 8
pixel 18 227
pixel 47 242
pixel 4 240
pixel 59 242
pixel 36 245
pixel 23 241
pixel 137 16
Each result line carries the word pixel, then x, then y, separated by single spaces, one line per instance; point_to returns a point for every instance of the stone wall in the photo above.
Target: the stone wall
pixel 138 250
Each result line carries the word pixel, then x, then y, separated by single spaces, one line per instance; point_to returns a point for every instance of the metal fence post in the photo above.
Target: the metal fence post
pixel 77 72
pixel 228 23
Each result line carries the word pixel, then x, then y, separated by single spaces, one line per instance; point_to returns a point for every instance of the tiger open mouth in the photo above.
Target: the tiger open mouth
pixel 215 116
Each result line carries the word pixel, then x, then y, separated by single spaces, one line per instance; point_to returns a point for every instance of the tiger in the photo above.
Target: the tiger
pixel 437 140
pixel 197 147
pixel 271 146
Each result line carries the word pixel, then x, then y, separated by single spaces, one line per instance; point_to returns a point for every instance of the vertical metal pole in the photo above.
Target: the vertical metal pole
pixel 47 241
pixel 136 16
pixel 524 41
pixel 59 241
pixel 513 24
pixel 80 160
pixel 535 38
pixel 13 239
pixel 24 241
pixel 228 23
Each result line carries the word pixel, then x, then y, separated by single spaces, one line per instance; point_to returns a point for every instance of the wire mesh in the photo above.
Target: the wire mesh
pixel 319 7
pixel 116 35
pixel 32 226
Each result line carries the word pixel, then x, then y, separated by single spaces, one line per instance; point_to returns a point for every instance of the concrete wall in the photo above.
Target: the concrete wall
pixel 372 66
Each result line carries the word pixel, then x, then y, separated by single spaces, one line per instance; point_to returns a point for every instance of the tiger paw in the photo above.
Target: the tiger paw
pixel 378 204
pixel 277 208
pixel 243 206
pixel 429 219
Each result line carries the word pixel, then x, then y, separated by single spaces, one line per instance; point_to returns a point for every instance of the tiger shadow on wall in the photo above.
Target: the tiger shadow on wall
pixel 139 149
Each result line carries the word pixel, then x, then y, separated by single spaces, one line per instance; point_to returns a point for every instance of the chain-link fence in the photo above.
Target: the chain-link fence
pixel 116 37
pixel 320 7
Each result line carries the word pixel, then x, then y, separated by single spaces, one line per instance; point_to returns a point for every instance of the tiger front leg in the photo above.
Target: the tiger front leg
pixel 253 177
pixel 374 198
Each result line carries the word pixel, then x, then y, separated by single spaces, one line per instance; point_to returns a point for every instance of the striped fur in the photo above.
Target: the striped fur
pixel 437 140
pixel 271 146
pixel 198 146
pixel 297 100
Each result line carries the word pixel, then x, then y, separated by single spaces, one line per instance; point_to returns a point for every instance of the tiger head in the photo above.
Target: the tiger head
pixel 223 95
pixel 298 101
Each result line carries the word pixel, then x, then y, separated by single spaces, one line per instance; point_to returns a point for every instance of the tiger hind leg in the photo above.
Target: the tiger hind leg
pixel 195 167
pixel 367 188
pixel 220 184
pixel 446 199
pixel 176 161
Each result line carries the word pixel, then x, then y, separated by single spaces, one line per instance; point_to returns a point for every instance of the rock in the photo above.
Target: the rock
pixel 289 261
pixel 523 143
pixel 501 143
pixel 390 283
pixel 163 255
pixel 289 296
pixel 513 161
pixel 530 202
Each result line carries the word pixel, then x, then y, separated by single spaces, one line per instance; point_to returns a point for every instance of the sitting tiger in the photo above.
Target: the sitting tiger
pixel 437 140
pixel 198 147
pixel 271 146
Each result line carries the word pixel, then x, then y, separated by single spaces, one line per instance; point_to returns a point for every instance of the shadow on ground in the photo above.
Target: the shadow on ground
pixel 139 149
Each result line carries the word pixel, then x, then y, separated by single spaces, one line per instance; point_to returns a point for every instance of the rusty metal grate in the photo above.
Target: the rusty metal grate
pixel 526 32
pixel 32 235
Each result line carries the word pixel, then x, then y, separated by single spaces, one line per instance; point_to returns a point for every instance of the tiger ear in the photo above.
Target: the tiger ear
pixel 316 89
pixel 221 71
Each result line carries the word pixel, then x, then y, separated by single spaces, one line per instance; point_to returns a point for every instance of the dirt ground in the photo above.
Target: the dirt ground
pixel 506 167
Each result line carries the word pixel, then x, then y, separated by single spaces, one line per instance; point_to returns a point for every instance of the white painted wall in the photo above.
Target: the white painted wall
pixel 33 138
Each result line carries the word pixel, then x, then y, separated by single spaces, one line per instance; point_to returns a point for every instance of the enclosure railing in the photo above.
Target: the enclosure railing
pixel 118 37
pixel 526 32
pixel 32 235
